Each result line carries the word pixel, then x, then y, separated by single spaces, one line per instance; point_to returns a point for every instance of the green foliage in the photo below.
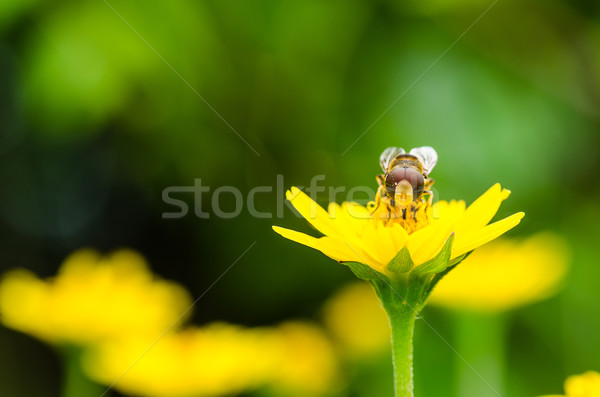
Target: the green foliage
pixel 364 272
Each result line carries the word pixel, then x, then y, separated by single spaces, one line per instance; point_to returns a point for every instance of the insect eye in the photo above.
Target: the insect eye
pixel 397 175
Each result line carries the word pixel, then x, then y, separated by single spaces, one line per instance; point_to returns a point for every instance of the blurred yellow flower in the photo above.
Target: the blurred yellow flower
pixel 306 364
pixel 92 298
pixel 119 311
pixel 356 319
pixel 584 385
pixel 505 274
pixel 353 234
pixel 295 359
pixel 216 360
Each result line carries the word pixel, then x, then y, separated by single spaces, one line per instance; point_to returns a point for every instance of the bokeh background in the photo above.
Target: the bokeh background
pixel 104 105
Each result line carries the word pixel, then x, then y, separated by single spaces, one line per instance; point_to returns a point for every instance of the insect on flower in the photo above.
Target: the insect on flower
pixel 405 185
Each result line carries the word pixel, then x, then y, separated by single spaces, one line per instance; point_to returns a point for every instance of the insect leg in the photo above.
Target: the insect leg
pixel 377 198
pixel 429 194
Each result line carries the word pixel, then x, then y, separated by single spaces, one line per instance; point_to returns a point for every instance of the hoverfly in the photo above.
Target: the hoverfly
pixel 405 180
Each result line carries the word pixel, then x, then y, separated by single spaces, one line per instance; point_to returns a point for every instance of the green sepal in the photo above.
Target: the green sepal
pixel 439 263
pixel 401 263
pixel 458 259
pixel 365 272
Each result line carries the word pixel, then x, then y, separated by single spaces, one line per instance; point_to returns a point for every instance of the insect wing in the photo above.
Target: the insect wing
pixel 427 156
pixel 388 155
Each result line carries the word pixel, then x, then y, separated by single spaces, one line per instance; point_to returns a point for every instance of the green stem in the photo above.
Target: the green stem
pixel 403 324
pixel 75 383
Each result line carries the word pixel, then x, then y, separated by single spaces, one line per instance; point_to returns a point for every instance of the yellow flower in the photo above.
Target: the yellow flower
pixel 306 364
pixel 215 360
pixel 294 359
pixel 356 319
pixel 353 234
pixel 403 251
pixel 584 385
pixel 91 299
pixel 505 274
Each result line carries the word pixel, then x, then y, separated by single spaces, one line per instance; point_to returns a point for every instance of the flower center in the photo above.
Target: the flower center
pixel 412 216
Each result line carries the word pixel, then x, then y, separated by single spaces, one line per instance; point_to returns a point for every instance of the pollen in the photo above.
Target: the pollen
pixel 412 217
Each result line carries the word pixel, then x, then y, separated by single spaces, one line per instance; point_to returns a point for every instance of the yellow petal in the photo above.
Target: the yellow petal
pixel 452 209
pixel 466 243
pixel 353 225
pixel 371 240
pixel 333 248
pixel 348 212
pixel 311 211
pixel 481 212
pixel 343 227
pixel 425 243
pixel 399 236
pixel 366 258
pixel 390 241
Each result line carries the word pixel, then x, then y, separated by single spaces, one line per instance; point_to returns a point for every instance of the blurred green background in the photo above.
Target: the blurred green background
pixel 99 115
